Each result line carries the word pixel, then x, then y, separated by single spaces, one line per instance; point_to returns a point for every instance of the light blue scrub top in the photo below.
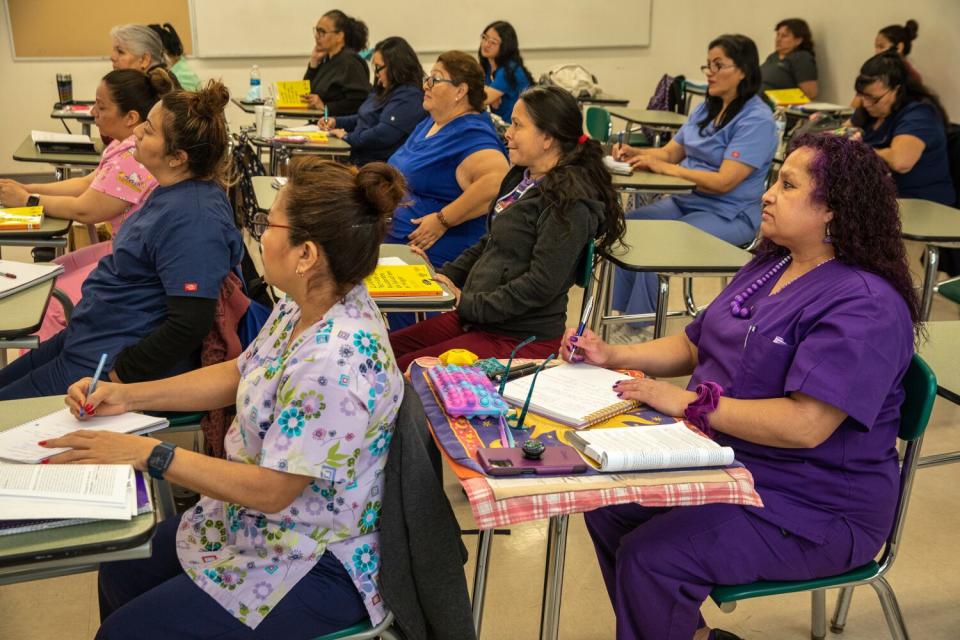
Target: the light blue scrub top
pixel 749 138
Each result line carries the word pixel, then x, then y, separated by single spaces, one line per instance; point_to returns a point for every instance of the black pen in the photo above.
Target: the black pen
pixel 516 372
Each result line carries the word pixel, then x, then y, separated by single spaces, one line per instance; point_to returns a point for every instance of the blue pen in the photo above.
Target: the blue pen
pixel 96 377
pixel 583 323
pixel 620 141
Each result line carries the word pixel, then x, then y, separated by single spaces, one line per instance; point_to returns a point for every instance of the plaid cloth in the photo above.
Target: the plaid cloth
pixel 488 512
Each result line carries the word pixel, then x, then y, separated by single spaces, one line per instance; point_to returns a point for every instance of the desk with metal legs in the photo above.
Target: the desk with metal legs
pixel 942 352
pixel 936 225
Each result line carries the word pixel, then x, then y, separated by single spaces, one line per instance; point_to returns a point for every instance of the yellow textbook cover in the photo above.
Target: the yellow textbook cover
pixel 783 97
pixel 390 281
pixel 17 218
pixel 290 94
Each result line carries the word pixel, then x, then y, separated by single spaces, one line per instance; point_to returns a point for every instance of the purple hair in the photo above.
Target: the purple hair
pixel 853 182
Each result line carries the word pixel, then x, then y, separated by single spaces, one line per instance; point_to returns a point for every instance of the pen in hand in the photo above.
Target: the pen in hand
pixel 620 145
pixel 583 324
pixel 96 378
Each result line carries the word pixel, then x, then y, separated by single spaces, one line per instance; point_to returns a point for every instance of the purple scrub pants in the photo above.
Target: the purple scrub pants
pixel 660 564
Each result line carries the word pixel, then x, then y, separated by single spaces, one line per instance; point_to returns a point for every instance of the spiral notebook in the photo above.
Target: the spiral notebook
pixel 578 395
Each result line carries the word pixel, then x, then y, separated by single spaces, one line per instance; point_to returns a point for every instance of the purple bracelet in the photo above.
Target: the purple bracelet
pixel 708 397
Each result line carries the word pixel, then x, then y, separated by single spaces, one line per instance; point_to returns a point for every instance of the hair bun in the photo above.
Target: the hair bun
pixel 160 80
pixel 911 28
pixel 210 100
pixel 382 186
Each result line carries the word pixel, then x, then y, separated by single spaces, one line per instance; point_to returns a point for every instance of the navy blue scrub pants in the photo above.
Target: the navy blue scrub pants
pixel 41 372
pixel 153 599
pixel 660 564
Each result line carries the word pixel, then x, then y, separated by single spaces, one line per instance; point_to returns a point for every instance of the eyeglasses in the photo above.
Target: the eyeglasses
pixel 430 81
pixel 485 38
pixel 322 32
pixel 715 67
pixel 261 223
pixel 377 68
pixel 869 100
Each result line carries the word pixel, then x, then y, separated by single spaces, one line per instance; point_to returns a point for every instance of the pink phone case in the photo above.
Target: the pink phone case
pixel 557 460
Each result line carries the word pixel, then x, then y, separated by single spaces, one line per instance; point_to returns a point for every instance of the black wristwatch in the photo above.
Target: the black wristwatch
pixel 160 459
pixel 33 200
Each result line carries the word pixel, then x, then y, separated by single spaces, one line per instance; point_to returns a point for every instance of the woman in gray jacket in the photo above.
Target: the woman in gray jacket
pixel 513 283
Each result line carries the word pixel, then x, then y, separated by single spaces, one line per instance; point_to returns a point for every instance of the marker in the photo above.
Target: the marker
pixel 96 378
pixel 12 276
pixel 583 322
pixel 326 114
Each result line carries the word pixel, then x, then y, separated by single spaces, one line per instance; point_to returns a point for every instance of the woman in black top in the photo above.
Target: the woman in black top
pixel 513 284
pixel 793 62
pixel 339 78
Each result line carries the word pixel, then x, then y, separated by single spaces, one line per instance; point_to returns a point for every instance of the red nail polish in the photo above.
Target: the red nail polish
pixel 88 408
pixel 42 442
pixel 45 461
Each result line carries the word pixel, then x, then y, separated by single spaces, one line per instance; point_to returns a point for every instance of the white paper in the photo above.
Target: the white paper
pixel 24 274
pixel 307 128
pixel 67 491
pixel 391 261
pixel 662 446
pixel 825 106
pixel 20 443
pixel 50 136
pixel 568 392
pixel 616 166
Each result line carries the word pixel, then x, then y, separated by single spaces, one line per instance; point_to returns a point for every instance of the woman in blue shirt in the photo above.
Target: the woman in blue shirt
pixel 453 162
pixel 725 149
pixel 150 303
pixel 391 111
pixel 906 125
pixel 504 74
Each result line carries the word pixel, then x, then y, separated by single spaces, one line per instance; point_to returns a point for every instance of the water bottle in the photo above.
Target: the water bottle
pixel 780 121
pixel 254 93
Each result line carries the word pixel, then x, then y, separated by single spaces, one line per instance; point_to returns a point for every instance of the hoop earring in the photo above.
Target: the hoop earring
pixel 827 238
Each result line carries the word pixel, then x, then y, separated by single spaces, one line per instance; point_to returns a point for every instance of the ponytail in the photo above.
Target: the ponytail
pixel 355 31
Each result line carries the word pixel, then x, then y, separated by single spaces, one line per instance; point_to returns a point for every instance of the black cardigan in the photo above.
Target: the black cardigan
pixel 515 280
pixel 342 81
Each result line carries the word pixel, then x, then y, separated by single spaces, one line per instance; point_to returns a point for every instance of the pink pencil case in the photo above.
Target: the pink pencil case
pixel 466 391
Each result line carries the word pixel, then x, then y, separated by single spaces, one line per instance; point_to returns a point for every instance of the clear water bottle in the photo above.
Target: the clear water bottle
pixel 780 121
pixel 254 93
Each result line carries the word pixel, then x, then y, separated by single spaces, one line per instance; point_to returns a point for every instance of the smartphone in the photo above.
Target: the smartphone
pixel 558 460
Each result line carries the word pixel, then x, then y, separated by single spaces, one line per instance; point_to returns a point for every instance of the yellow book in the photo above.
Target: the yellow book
pixel 16 218
pixel 783 97
pixel 302 136
pixel 407 280
pixel 290 94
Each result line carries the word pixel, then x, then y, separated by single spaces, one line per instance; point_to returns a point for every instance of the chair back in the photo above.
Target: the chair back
pixel 920 385
pixel 585 277
pixel 598 123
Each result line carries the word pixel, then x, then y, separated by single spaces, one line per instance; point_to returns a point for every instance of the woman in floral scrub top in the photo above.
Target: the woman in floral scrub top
pixel 285 539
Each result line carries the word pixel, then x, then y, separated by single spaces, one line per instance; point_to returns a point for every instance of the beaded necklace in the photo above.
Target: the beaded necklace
pixel 738 306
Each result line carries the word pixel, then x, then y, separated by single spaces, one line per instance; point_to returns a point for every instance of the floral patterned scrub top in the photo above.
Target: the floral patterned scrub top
pixel 320 405
pixel 120 175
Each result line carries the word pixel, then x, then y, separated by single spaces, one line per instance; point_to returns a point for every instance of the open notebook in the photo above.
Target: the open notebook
pixel 16 276
pixel 645 447
pixel 578 395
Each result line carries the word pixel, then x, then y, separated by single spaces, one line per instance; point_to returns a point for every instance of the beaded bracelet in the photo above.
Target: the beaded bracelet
pixel 708 398
pixel 443 219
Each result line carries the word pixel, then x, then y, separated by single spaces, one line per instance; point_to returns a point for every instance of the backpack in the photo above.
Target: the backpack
pixel 574 78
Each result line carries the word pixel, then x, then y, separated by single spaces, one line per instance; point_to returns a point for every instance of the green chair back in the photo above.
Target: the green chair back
pixel 598 123
pixel 364 631
pixel 585 278
pixel 949 289
pixel 920 385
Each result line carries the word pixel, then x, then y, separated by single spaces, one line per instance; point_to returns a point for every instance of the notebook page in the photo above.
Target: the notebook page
pixel 567 392
pixel 19 275
pixel 20 443
pixel 51 136
pixel 666 446
pixel 67 491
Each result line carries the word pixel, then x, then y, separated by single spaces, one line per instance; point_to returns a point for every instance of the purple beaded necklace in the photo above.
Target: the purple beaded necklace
pixel 738 307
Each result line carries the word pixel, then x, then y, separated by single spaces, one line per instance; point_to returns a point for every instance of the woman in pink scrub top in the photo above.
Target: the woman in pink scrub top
pixel 112 193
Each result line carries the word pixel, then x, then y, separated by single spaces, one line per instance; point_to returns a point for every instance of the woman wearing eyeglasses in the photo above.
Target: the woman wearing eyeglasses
pixel 725 149
pixel 391 111
pixel 339 77
pixel 906 125
pixel 453 162
pixel 504 74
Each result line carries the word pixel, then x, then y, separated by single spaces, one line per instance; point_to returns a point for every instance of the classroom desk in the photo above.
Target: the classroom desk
pixel 936 225
pixel 604 99
pixel 667 248
pixel 419 305
pixel 301 114
pixel 942 353
pixel 659 121
pixel 649 182
pixel 73 549
pixel 802 112
pixel 52 233
pixel 264 192
pixel 62 162
pixel 490 513
pixel 20 315
pixel 281 152
pixel 83 117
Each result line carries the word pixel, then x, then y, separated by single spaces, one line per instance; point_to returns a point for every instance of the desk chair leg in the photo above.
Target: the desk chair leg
pixel 688 300
pixel 484 539
pixel 839 620
pixel 891 610
pixel 818 614
pixel 929 280
pixel 663 297
pixel 164 495
pixel 605 299
pixel 553 577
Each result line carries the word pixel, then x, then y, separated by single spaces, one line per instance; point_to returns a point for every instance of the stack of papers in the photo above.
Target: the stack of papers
pixel 49 142
pixel 57 491
pixel 17 276
pixel 616 166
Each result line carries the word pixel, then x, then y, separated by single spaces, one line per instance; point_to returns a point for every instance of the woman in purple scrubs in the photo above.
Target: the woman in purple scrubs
pixel 797 365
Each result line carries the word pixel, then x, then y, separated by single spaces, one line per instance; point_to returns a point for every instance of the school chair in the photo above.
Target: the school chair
pixel 600 128
pixel 920 385
pixel 949 289
pixel 363 631
pixel 587 280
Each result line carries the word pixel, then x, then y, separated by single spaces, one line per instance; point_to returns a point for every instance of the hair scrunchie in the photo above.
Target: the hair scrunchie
pixel 583 138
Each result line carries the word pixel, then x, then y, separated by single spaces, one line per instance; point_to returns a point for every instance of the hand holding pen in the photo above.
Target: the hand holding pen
pixel 587 347
pixel 87 408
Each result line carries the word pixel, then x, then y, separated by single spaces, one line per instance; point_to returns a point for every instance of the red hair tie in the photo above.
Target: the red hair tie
pixel 583 138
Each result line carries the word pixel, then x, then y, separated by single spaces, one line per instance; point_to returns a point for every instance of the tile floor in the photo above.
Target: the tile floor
pixel 926 581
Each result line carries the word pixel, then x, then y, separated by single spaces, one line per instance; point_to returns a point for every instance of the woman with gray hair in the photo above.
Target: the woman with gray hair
pixel 136 46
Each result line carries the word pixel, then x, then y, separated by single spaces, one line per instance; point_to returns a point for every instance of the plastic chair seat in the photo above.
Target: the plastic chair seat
pixel 950 290
pixel 184 419
pixel 360 627
pixel 733 593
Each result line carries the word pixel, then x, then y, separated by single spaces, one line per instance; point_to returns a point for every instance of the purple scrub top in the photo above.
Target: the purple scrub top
pixel 841 335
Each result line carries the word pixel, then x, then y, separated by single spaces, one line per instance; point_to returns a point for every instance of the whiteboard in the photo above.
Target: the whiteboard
pixel 281 28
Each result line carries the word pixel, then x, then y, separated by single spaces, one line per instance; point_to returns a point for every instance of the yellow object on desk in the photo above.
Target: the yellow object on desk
pixel 290 94
pixel 390 281
pixel 460 357
pixel 302 136
pixel 16 218
pixel 783 97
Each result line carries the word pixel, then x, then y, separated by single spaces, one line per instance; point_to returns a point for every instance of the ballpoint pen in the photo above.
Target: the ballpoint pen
pixel 583 324
pixel 12 276
pixel 96 378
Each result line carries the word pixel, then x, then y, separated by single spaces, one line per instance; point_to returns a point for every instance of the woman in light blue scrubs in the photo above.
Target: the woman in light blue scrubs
pixel 725 149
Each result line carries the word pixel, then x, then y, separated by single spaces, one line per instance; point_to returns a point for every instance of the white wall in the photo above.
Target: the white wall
pixel 843 33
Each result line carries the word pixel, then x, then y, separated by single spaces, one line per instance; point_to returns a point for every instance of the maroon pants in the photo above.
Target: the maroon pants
pixel 441 333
